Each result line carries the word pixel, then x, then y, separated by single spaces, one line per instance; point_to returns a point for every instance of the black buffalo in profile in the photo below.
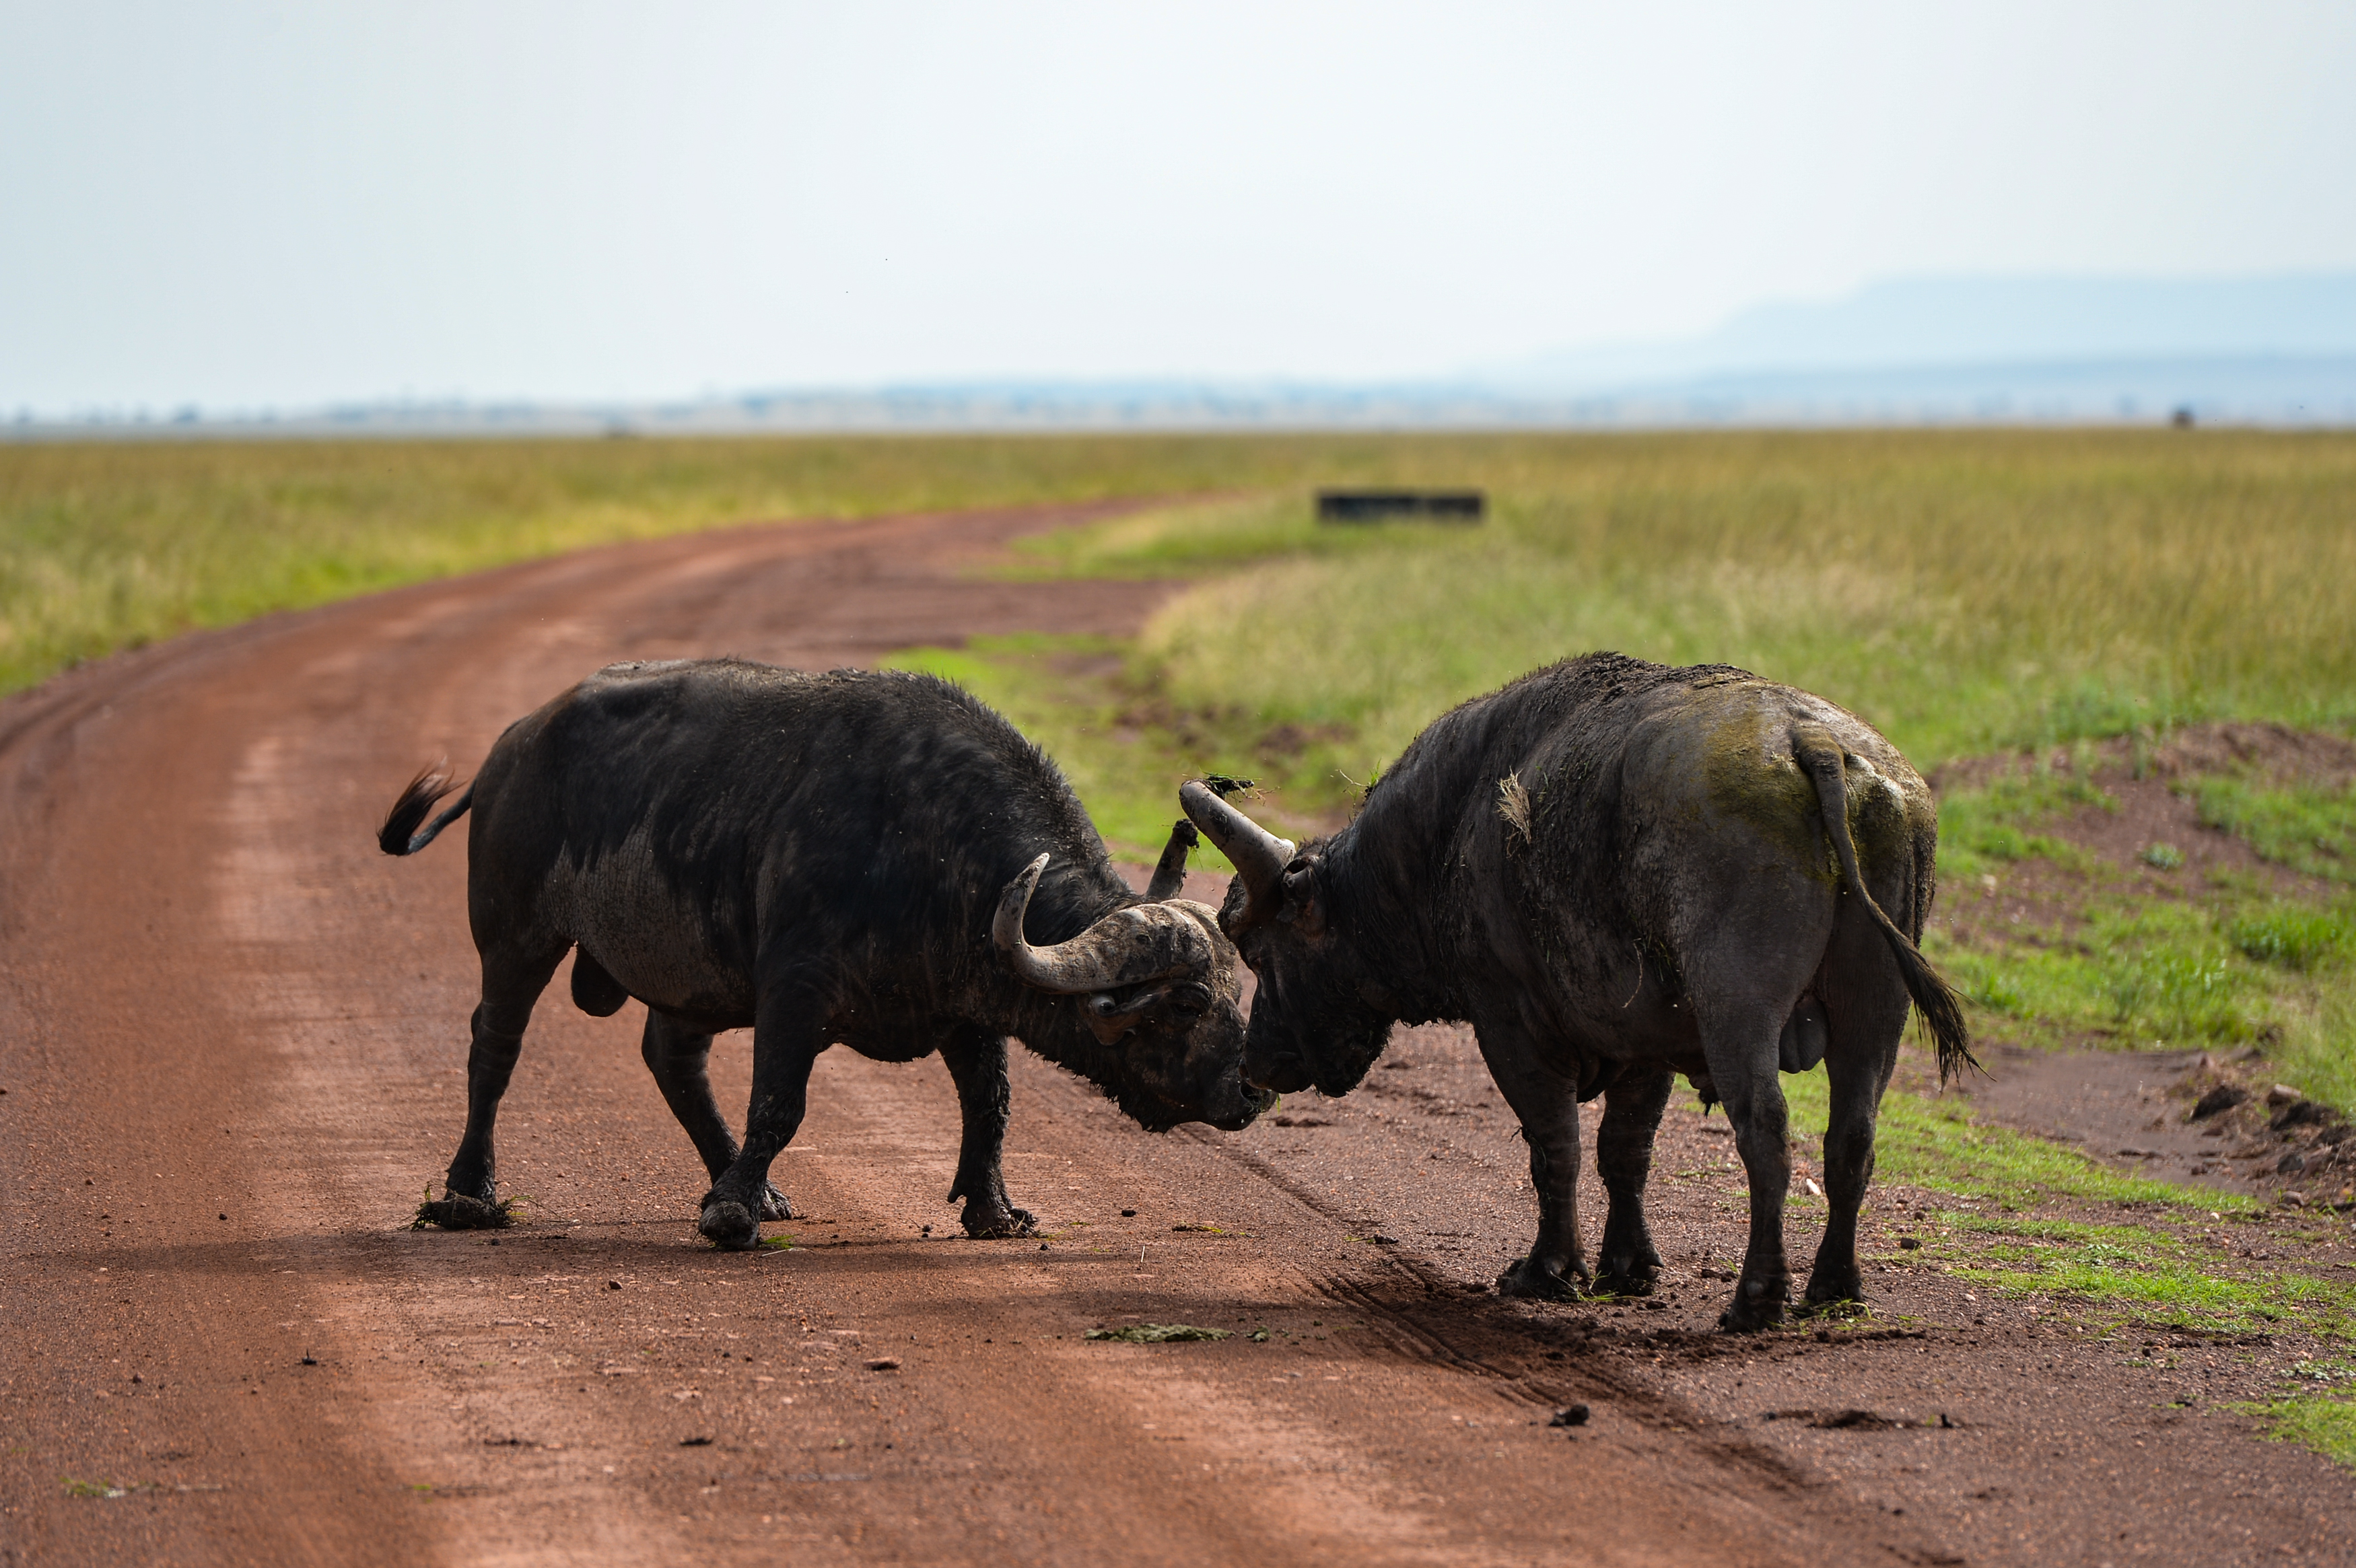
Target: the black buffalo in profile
pixel 876 859
pixel 1617 871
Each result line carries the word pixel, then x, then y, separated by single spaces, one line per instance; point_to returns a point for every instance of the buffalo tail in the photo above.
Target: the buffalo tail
pixel 400 835
pixel 1820 756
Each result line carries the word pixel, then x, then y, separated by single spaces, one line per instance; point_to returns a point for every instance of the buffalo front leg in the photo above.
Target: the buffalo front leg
pixel 679 1055
pixel 1547 1105
pixel 1628 1263
pixel 470 1198
pixel 1741 1047
pixel 787 1035
pixel 977 1063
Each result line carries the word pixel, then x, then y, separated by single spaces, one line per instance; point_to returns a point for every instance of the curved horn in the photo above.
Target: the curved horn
pixel 1260 856
pixel 1100 958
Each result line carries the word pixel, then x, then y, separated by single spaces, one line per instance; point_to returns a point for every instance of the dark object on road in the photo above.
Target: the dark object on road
pixel 852 858
pixel 1160 1334
pixel 2224 1097
pixel 1375 505
pixel 1617 871
pixel 1569 1416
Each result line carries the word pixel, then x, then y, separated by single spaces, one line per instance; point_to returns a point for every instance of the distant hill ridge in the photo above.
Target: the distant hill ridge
pixel 1960 320
pixel 2278 351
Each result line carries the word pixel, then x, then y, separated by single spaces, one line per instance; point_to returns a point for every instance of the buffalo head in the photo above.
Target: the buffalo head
pixel 1156 985
pixel 1317 1018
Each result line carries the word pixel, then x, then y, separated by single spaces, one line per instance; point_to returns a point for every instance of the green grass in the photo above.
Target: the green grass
pixel 1996 824
pixel 1965 591
pixel 109 545
pixel 2231 962
pixel 1932 1143
pixel 2004 1233
pixel 2310 830
pixel 2321 1423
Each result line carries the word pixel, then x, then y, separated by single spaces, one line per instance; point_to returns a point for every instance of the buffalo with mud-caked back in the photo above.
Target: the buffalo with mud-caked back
pixel 875 859
pixel 1617 871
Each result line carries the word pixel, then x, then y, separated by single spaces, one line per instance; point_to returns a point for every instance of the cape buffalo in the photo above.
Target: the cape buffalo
pixel 1616 872
pixel 876 859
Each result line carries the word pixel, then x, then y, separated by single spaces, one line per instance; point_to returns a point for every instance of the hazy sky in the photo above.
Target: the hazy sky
pixel 242 205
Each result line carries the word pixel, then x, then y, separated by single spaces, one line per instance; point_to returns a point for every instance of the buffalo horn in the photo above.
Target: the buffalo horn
pixel 1096 960
pixel 1260 856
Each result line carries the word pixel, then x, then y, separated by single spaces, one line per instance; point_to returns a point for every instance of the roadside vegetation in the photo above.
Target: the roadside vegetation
pixel 107 545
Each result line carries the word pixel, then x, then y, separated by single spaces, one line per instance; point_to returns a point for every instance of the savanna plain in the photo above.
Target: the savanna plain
pixel 2123 658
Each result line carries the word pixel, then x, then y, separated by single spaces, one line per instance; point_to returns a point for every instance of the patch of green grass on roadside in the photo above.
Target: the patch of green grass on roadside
pixel 1185 539
pixel 2229 961
pixel 2144 1268
pixel 1996 824
pixel 2183 1293
pixel 2319 1421
pixel 2291 936
pixel 2145 972
pixel 2310 829
pixel 1934 1143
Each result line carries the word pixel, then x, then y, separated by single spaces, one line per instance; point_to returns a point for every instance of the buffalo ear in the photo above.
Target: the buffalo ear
pixel 1303 909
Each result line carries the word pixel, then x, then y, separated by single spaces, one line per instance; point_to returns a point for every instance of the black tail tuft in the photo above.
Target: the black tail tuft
pixel 400 834
pixel 1941 1008
pixel 1820 756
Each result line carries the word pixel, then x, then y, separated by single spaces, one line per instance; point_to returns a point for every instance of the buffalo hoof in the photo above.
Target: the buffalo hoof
pixel 996 1225
pixel 457 1212
pixel 1753 1308
pixel 730 1226
pixel 1825 1294
pixel 1628 1271
pixel 773 1203
pixel 1524 1278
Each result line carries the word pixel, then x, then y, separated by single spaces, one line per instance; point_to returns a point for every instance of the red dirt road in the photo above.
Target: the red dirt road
pixel 231 1041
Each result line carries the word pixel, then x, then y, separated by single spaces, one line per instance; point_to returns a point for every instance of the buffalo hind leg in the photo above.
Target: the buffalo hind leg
pixel 511 985
pixel 1628 1263
pixel 977 1063
pixel 1865 1019
pixel 679 1055
pixel 1741 1047
pixel 1546 1104
pixel 788 1034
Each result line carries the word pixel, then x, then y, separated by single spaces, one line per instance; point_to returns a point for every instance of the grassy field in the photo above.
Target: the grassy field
pixel 1965 591
pixel 109 545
